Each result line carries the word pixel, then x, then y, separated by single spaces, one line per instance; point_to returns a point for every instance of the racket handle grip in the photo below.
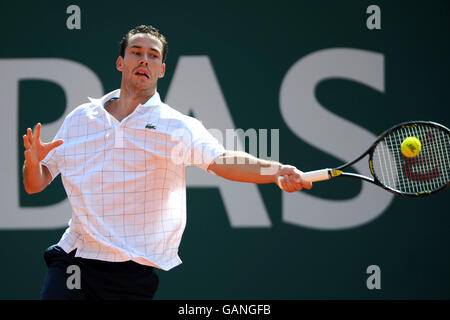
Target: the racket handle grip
pixel 317 175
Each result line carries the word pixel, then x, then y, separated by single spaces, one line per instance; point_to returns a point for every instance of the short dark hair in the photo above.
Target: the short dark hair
pixel 144 29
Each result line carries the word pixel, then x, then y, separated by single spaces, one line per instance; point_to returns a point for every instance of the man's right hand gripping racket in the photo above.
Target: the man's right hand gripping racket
pixel 411 159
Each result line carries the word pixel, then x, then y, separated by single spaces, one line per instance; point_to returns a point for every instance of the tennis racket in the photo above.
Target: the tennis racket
pixel 418 176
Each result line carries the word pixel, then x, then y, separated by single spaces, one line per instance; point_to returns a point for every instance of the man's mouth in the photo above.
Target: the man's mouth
pixel 142 73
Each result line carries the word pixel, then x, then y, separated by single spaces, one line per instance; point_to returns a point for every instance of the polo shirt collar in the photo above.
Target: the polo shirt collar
pixel 153 101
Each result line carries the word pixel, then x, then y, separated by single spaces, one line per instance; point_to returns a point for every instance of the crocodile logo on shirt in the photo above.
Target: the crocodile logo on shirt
pixel 150 126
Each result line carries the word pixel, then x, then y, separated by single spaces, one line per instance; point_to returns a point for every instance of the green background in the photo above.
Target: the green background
pixel 251 46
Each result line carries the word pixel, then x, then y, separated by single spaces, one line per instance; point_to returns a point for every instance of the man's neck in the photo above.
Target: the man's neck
pixel 130 99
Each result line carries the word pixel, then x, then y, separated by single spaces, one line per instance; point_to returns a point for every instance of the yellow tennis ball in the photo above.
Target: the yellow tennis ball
pixel 411 147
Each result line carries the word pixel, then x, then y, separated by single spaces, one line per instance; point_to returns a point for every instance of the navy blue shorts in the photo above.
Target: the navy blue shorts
pixel 75 278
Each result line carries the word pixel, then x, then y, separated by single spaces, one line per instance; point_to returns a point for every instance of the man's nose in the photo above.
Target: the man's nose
pixel 144 60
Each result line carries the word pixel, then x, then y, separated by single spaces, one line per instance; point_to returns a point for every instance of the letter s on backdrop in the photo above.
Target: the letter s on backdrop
pixel 307 118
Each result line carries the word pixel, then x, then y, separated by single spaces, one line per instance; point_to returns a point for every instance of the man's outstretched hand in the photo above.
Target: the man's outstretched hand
pixel 35 149
pixel 290 179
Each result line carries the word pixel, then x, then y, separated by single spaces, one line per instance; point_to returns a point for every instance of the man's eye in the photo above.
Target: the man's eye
pixel 137 53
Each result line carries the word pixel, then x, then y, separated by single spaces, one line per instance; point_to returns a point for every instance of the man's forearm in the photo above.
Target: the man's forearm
pixel 243 167
pixel 35 178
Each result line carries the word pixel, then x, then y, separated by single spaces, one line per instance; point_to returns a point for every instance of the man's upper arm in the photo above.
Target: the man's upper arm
pixel 50 162
pixel 204 147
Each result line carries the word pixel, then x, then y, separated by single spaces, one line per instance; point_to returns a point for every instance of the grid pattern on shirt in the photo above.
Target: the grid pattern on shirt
pixel 128 196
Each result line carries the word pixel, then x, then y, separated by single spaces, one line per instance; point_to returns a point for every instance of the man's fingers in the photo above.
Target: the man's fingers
pixel 292 180
pixel 288 184
pixel 306 184
pixel 57 143
pixel 26 144
pixel 282 183
pixel 29 135
pixel 296 181
pixel 293 183
pixel 52 145
pixel 37 132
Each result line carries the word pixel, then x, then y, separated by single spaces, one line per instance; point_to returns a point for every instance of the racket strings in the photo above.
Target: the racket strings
pixel 426 172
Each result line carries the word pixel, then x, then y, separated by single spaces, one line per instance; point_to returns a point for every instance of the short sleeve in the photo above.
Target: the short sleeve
pixel 203 148
pixel 51 160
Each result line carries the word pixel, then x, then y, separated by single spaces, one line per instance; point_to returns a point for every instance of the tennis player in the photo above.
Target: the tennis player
pixel 122 161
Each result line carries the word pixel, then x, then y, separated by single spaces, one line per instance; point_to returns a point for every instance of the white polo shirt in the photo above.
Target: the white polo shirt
pixel 126 180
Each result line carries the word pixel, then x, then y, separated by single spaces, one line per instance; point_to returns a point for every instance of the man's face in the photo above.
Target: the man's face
pixel 142 64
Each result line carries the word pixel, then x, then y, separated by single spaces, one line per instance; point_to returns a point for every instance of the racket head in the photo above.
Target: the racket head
pixel 424 174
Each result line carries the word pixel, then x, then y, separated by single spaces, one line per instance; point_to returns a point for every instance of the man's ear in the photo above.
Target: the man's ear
pixel 119 63
pixel 163 71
